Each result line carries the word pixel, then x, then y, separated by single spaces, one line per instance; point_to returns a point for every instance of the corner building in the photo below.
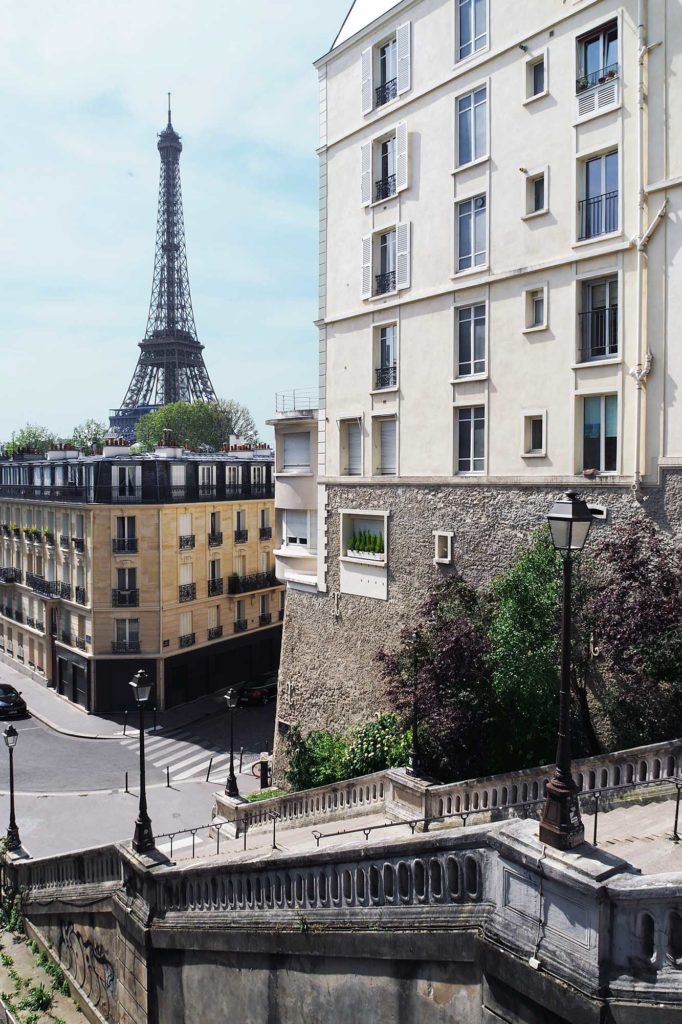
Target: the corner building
pixel 500 295
pixel 116 562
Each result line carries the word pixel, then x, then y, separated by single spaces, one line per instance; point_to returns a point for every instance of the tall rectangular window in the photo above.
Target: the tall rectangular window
pixel 471 340
pixel 385 186
pixel 472 126
pixel 598 211
pixel 386 374
pixel 385 279
pixel 472 27
pixel 538 77
pixel 597 57
pixel 471 233
pixel 600 433
pixel 471 439
pixel 296 452
pixel 351 448
pixel 388 72
pixel 599 319
pixel 387 447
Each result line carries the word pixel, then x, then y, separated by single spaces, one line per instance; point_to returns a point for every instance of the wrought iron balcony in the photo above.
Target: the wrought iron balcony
pixel 256 581
pixel 265 532
pixel 48 537
pixel 241 625
pixel 385 377
pixel 187 591
pixel 384 188
pixel 64 591
pixel 241 536
pixel 265 618
pixel 124 545
pixel 598 334
pixel 40 626
pixel 66 638
pixel 39 584
pixel 606 74
pixel 215 587
pixel 387 91
pixel 64 541
pixel 125 598
pixel 125 647
pixel 78 543
pixel 215 540
pixel 598 215
pixel 80 595
pixel 186 543
pixel 187 640
pixel 79 642
pixel 10 575
pixel 18 615
pixel 30 622
pixel 385 283
pixel 281 614
pixel 215 632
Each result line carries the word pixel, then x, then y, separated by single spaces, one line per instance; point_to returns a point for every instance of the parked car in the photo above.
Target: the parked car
pixel 11 702
pixel 261 692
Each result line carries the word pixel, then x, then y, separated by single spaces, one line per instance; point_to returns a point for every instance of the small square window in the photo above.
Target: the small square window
pixel 442 554
pixel 538 70
pixel 536 309
pixel 534 429
pixel 536 193
pixel 536 76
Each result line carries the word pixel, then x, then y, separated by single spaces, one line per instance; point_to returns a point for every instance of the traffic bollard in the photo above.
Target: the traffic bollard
pixel 127 790
pixel 264 772
pixel 208 773
pixel 168 776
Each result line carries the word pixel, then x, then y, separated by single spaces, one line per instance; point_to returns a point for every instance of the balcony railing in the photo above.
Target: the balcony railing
pixel 40 585
pixel 301 400
pixel 125 598
pixel 384 188
pixel 124 545
pixel 187 640
pixel 18 615
pixel 40 626
pixel 385 283
pixel 256 581
pixel 215 540
pixel 265 618
pixel 265 532
pixel 63 590
pixel 80 595
pixel 387 91
pixel 30 622
pixel 125 647
pixel 606 74
pixel 48 537
pixel 598 215
pixel 215 587
pixel 64 541
pixel 66 638
pixel 598 334
pixel 241 625
pixel 78 543
pixel 215 632
pixel 385 377
pixel 149 495
pixel 10 575
pixel 186 543
pixel 241 536
pixel 187 591
pixel 79 642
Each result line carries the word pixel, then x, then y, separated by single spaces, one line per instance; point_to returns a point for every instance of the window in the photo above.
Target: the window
pixel 126 579
pixel 471 439
pixel 213 616
pixel 387 89
pixel 363 536
pixel 79 525
pixel 240 518
pixel 185 624
pixel 534 434
pixel 240 565
pixel 126 481
pixel 178 474
pixel 536 193
pixel 214 569
pixel 536 78
pixel 597 57
pixel 386 374
pixel 215 523
pixel 185 573
pixel 387 252
pixel 207 477
pixel 442 554
pixel 240 610
pixel 386 69
pixel 296 452
pixel 470 340
pixel 295 528
pixel 265 604
pixel 600 433
pixel 351 448
pixel 185 524
pixel 265 518
pixel 536 309
pixel 385 279
pixel 472 126
pixel 599 319
pixel 598 211
pixel 472 27
pixel 387 434
pixel 125 527
pixel 127 631
pixel 471 233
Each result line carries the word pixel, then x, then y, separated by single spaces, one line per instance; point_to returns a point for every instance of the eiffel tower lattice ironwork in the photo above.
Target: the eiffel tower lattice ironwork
pixel 171 366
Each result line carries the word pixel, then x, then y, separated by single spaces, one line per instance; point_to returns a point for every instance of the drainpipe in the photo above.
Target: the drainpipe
pixel 642 137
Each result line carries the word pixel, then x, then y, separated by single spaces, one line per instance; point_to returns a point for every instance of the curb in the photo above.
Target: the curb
pixel 107 735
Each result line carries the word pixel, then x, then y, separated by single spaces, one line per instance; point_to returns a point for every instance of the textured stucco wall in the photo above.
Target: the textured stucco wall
pixel 328 672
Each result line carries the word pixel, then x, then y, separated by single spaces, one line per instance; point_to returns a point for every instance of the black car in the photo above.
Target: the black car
pixel 11 702
pixel 260 692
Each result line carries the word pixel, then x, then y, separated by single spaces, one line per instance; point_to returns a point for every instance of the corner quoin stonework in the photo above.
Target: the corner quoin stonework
pixel 328 676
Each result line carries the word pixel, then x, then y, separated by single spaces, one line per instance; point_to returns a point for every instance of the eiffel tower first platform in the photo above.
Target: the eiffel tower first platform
pixel 171 366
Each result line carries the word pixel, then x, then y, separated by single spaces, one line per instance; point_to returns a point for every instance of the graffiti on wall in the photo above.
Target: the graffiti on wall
pixel 87 963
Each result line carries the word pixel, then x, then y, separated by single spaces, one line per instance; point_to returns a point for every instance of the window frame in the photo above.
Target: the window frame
pixel 343 422
pixel 602 396
pixel 475 374
pixel 530 326
pixel 530 177
pixel 527 451
pixel 585 283
pixel 378 419
pixel 582 161
pixel 301 469
pixel 475 267
pixel 471 91
pixel 459 57
pixel 473 409
pixel 377 330
pixel 529 65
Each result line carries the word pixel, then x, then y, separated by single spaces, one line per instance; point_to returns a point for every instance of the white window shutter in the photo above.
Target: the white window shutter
pixel 367 266
pixel 402 38
pixel 388 446
pixel 354 449
pixel 366 179
pixel 367 90
pixel 402 246
pixel 401 156
pixel 295 451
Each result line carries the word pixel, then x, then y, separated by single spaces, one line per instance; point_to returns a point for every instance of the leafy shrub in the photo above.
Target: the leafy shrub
pixel 37 998
pixel 314 760
pixel 376 745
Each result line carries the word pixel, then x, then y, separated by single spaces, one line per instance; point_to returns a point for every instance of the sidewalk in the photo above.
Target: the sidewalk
pixel 60 714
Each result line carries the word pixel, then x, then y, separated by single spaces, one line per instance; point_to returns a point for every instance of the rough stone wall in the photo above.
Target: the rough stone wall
pixel 328 672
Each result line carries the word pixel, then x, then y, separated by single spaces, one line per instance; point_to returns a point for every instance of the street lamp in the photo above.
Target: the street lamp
pixel 560 825
pixel 143 840
pixel 13 841
pixel 414 766
pixel 231 788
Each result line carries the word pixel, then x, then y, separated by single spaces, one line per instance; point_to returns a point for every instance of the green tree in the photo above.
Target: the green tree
pixel 235 419
pixel 314 760
pixel 376 745
pixel 89 434
pixel 206 425
pixel 32 437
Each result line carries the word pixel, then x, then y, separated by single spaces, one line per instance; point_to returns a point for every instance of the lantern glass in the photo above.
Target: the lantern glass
pixel 11 736
pixel 231 697
pixel 141 686
pixel 569 522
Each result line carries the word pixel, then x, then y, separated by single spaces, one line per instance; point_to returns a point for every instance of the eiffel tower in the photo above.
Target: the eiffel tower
pixel 170 367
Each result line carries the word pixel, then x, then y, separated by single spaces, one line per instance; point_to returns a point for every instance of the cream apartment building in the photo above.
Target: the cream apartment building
pixel 500 295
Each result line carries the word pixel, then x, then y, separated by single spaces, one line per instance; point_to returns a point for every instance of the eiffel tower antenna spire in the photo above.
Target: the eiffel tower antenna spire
pixel 170 367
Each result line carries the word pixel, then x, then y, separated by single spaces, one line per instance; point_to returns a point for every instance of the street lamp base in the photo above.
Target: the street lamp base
pixel 560 825
pixel 143 840
pixel 13 839
pixel 231 787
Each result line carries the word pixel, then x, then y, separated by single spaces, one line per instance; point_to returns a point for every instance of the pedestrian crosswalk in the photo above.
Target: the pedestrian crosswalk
pixel 185 756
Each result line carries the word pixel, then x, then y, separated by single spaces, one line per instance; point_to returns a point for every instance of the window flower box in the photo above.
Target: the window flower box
pixel 365 556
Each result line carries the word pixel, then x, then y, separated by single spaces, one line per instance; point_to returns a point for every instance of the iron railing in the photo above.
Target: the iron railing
pixel 606 74
pixel 385 282
pixel 78 543
pixel 215 540
pixel 598 215
pixel 10 575
pixel 386 377
pixel 186 543
pixel 386 92
pixel 241 536
pixel 256 581
pixel 598 333
pixel 64 541
pixel 18 615
pixel 150 494
pixel 297 400
pixel 80 595
pixel 125 647
pixel 265 618
pixel 124 545
pixel 125 598
pixel 215 587
pixel 79 642
pixel 384 188
pixel 187 640
pixel 241 625
pixel 215 632
pixel 40 585
pixel 265 533
pixel 63 590
pixel 187 591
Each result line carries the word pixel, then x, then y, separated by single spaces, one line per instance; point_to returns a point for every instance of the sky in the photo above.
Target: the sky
pixel 82 97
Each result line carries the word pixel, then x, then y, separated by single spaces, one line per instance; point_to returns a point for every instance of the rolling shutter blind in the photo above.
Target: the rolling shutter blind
pixel 402 38
pixel 366 174
pixel 185 623
pixel 354 449
pixel 402 236
pixel 185 574
pixel 401 156
pixel 185 524
pixel 367 266
pixel 366 72
pixel 388 446
pixel 296 453
pixel 296 527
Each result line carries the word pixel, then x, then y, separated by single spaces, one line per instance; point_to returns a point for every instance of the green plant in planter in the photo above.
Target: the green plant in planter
pixel 380 546
pixel 353 542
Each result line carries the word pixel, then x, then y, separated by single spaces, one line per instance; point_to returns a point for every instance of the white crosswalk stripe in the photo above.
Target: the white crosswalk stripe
pixel 215 760
pixel 184 756
pixel 170 757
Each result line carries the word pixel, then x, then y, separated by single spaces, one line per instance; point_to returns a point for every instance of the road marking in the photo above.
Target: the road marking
pixel 189 760
pixel 178 844
pixel 169 756
pixel 201 767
